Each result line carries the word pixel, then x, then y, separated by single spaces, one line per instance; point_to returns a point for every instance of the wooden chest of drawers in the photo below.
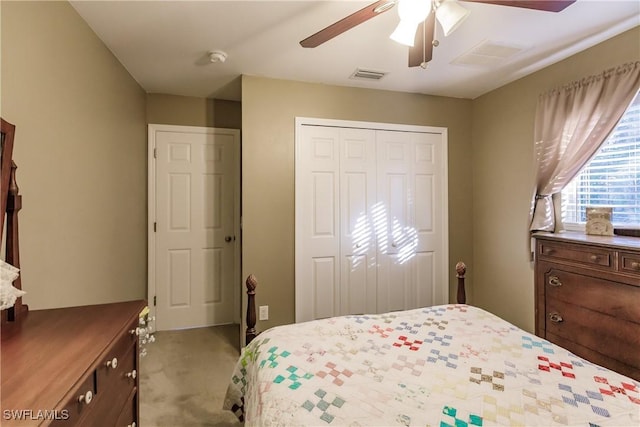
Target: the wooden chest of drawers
pixel 588 297
pixel 73 366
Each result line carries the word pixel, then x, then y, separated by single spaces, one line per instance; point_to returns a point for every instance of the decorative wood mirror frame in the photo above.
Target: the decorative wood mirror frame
pixel 6 152
pixel 10 204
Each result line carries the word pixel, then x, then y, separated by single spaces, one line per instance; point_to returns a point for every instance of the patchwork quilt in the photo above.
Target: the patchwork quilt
pixel 450 365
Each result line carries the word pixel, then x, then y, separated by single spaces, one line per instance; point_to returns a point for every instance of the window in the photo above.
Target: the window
pixel 611 178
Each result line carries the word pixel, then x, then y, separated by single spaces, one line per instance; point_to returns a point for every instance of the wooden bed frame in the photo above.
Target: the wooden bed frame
pixel 252 284
pixel 11 203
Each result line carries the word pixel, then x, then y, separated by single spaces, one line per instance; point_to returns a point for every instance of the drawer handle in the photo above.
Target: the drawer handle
pixel 594 258
pixel 133 374
pixel 86 398
pixel 555 317
pixel 555 281
pixel 635 265
pixel 113 363
pixel 133 424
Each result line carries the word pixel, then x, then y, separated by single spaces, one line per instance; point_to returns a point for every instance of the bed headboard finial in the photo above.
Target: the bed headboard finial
pixel 461 269
pixel 252 282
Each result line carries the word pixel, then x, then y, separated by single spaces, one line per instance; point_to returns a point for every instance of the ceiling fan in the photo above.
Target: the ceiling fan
pixel 418 22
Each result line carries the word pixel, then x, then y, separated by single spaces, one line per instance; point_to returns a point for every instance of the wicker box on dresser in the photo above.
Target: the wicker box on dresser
pixel 587 297
pixel 72 366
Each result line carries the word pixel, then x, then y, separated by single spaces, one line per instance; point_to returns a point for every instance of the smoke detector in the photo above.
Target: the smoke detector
pixel 217 56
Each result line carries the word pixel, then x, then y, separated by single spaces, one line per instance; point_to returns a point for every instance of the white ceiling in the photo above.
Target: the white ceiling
pixel 164 44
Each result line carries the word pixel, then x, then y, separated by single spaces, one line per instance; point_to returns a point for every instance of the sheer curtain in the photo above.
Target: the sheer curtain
pixel 571 124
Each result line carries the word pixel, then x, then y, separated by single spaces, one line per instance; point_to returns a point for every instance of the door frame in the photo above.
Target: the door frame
pixel 152 129
pixel 310 121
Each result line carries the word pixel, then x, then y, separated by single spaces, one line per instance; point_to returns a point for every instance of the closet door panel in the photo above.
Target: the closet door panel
pixel 318 218
pixel 427 195
pixel 323 297
pixel 408 179
pixel 395 282
pixel 425 275
pixel 396 237
pixel 357 199
pixel 394 192
pixel 427 218
pixel 355 285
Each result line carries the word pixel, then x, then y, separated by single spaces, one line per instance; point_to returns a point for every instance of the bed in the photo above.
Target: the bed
pixel 448 365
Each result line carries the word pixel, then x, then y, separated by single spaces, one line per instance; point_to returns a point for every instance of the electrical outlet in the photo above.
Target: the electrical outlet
pixel 264 312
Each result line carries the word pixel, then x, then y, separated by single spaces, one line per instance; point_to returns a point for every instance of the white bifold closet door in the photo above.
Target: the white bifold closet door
pixel 370 221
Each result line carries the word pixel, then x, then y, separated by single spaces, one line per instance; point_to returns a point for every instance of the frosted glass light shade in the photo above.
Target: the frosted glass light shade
pixel 405 33
pixel 411 13
pixel 450 15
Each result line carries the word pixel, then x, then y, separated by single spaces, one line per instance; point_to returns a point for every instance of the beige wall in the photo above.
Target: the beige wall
pixel 80 146
pixel 192 111
pixel 503 177
pixel 269 108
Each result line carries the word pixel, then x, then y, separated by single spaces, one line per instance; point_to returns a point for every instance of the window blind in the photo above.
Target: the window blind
pixel 612 176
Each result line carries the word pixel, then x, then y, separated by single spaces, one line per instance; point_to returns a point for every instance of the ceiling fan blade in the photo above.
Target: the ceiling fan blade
pixel 545 5
pixel 347 23
pixel 422 50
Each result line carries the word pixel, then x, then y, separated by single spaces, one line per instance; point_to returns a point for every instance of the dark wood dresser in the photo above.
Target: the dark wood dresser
pixel 72 367
pixel 588 297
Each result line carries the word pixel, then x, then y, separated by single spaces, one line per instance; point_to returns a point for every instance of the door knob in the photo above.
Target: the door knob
pixel 228 238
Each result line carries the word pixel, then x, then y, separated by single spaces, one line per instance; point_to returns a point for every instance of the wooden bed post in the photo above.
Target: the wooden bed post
pixel 461 269
pixel 250 334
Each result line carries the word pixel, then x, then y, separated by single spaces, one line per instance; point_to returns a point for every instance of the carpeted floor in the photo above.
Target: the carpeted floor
pixel 184 377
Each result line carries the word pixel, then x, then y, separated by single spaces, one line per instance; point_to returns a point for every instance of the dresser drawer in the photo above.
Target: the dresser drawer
pixel 79 402
pixel 603 296
pixel 113 385
pixel 630 263
pixel 119 361
pixel 615 338
pixel 577 254
pixel 127 417
pixel 112 401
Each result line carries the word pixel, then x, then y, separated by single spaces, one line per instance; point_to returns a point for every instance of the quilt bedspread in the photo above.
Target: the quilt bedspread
pixel 450 365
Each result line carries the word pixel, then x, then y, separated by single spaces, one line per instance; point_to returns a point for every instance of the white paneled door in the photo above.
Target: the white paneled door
pixel 195 266
pixel 411 233
pixel 371 218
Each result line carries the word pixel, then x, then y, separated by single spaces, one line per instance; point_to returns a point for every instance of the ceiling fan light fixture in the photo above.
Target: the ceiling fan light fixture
pixel 411 13
pixel 405 33
pixel 450 15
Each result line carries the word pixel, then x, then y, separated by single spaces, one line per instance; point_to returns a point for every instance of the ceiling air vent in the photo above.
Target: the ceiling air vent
pixel 362 74
pixel 488 54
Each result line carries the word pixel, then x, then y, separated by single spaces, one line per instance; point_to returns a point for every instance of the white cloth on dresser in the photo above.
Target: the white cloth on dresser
pixel 8 293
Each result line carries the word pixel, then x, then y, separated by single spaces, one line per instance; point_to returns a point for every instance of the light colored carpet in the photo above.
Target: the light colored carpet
pixel 184 377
